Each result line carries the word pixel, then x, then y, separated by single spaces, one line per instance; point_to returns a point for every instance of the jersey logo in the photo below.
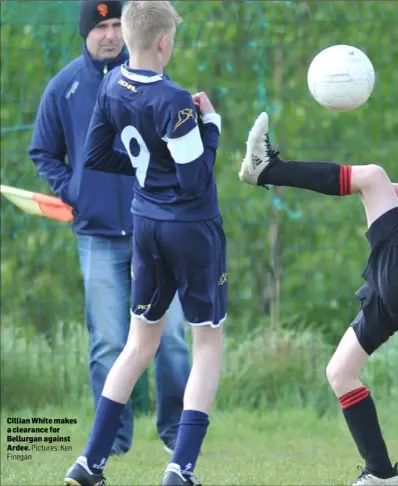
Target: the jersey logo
pixel 127 85
pixel 183 116
pixel 103 9
pixel 223 279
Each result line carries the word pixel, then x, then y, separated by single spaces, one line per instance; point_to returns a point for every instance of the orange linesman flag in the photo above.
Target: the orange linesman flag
pixel 38 204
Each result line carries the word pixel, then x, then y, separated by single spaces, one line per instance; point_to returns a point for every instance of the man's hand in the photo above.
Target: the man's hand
pixel 202 102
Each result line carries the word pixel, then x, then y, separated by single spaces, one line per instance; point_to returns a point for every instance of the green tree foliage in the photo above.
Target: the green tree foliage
pixel 294 258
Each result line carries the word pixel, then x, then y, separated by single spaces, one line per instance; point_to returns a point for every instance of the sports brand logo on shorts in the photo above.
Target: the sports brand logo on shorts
pixel 183 116
pixel 223 279
pixel 102 9
pixel 143 307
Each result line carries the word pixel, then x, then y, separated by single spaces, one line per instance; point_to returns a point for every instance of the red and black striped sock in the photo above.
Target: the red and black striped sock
pixel 323 177
pixel 361 417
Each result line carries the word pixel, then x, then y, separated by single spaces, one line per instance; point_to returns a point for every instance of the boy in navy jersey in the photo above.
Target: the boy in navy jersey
pixel 378 319
pixel 178 242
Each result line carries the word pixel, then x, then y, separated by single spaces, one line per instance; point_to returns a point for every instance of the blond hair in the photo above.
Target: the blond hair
pixel 144 21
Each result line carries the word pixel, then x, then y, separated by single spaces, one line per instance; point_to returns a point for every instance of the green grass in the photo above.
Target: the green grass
pixel 262 369
pixel 278 447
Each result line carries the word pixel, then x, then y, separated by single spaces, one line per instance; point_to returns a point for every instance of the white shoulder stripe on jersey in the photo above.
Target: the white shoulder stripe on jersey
pixel 187 148
pixel 140 78
pixel 213 118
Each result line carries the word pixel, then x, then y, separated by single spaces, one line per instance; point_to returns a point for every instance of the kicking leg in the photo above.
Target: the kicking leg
pixel 359 409
pixel 262 166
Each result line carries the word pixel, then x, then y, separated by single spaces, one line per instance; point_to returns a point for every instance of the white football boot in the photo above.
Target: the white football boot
pixel 259 152
pixel 368 479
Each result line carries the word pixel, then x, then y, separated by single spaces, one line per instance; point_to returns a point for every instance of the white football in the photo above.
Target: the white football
pixel 341 78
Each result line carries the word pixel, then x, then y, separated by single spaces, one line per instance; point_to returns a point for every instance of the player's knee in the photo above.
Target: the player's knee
pixel 336 375
pixel 375 175
pixel 140 353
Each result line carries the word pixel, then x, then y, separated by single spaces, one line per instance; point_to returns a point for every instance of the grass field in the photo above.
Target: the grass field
pixel 293 447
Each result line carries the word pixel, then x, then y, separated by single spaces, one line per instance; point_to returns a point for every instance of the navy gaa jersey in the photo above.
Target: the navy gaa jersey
pixel 170 151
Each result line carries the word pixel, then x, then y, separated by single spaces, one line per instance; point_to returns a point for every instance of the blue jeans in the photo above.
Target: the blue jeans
pixel 106 266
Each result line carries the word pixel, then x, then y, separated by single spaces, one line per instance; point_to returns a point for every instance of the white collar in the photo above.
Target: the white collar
pixel 140 78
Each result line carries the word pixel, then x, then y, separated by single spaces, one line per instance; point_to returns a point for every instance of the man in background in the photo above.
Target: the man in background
pixel 103 222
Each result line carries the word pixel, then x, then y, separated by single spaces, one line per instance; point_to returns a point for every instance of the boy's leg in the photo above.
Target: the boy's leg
pixel 356 402
pixel 207 359
pixel 140 349
pixel 371 328
pixel 199 396
pixel 142 344
pixel 201 273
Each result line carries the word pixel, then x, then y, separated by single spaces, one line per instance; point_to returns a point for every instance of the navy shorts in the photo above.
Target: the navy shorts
pixel 188 257
pixel 378 318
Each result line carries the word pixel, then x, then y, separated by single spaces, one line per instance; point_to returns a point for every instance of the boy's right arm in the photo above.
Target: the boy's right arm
pixel 194 156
